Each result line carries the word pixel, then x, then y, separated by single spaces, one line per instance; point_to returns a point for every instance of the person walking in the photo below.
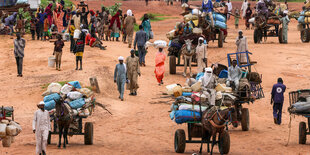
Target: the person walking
pixel 160 66
pixel 229 9
pixel 129 27
pixel 40 25
pixel 115 25
pixel 140 40
pixel 277 99
pixel 133 71
pixel 237 16
pixel 46 27
pixel 248 15
pixel 71 31
pixel 146 24
pixel 120 77
pixel 284 20
pixel 33 24
pixel 59 44
pixel 19 46
pixel 201 51
pixel 244 7
pixel 41 126
pixel 242 46
pixel 79 50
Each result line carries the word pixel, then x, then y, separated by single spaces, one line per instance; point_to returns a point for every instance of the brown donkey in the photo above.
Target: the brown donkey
pixel 63 119
pixel 214 121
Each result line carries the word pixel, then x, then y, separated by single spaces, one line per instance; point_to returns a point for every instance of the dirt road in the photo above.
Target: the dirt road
pixel 140 125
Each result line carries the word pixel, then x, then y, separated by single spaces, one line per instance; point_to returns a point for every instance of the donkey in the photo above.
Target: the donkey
pixel 63 119
pixel 213 123
pixel 188 50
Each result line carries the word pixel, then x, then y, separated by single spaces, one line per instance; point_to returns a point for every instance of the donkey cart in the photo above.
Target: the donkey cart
pixel 265 29
pixel 250 89
pixel 305 33
pixel 88 130
pixel 301 96
pixel 194 130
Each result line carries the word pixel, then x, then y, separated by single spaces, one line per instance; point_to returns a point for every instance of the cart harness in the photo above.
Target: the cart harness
pixel 220 118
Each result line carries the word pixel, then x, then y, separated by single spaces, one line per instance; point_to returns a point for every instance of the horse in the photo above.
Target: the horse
pixel 63 119
pixel 188 50
pixel 213 122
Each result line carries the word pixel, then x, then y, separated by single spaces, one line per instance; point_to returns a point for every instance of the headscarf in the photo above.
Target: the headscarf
pixel 129 12
pixel 116 18
pixel 207 76
pixel 48 9
pixel 92 12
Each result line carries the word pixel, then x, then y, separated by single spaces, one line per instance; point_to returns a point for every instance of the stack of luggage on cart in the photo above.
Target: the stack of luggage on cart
pixel 8 128
pixel 80 101
pixel 192 28
pixel 302 106
pixel 190 100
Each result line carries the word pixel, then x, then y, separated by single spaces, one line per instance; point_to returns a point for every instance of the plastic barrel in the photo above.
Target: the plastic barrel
pixel 51 61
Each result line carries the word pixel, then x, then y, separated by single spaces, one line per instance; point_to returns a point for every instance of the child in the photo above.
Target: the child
pixel 79 50
pixel 71 31
pixel 46 27
pixel 20 26
pixel 123 29
pixel 33 26
pixel 237 16
pixel 59 44
pixel 107 31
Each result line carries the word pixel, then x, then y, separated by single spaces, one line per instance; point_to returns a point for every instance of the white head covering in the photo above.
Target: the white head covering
pixel 129 12
pixel 41 103
pixel 207 76
pixel 201 38
pixel 120 58
pixel 285 11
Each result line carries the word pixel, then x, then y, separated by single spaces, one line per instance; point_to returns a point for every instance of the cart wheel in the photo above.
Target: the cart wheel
pixel 305 35
pixel 172 64
pixel 179 141
pixel 280 35
pixel 302 133
pixel 257 36
pixel 221 39
pixel 245 119
pixel 49 138
pixel 224 142
pixel 88 133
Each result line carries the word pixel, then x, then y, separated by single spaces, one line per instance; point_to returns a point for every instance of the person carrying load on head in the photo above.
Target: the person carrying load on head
pixel 234 75
pixel 41 126
pixel 207 9
pixel 208 83
pixel 284 20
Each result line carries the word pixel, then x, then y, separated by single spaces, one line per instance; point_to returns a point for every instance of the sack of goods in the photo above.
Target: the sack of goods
pixel 273 21
pixel 8 130
pixel 182 116
pixel 78 100
pixel 76 34
pixel 160 44
pixel 219 17
pixel 301 107
pixel 170 35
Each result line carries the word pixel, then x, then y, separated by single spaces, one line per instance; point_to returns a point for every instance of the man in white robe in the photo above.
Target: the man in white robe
pixel 244 7
pixel 208 83
pixel 242 46
pixel 201 52
pixel 41 126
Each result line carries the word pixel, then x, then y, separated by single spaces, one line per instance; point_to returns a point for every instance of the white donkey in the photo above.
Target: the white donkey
pixel 188 50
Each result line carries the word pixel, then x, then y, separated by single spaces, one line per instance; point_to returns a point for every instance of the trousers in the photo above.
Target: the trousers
pixel 277 111
pixel 58 59
pixel 142 54
pixel 121 88
pixel 19 63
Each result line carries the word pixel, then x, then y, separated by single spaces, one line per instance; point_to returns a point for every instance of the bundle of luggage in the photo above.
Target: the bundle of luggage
pixel 8 130
pixel 79 100
pixel 304 17
pixel 301 107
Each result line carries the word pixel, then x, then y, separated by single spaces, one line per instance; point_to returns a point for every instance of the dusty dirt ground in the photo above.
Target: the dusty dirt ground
pixel 140 125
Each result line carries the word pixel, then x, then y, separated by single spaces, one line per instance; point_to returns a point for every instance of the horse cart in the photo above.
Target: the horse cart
pixel 75 129
pixel 300 96
pixel 250 89
pixel 270 28
pixel 195 130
